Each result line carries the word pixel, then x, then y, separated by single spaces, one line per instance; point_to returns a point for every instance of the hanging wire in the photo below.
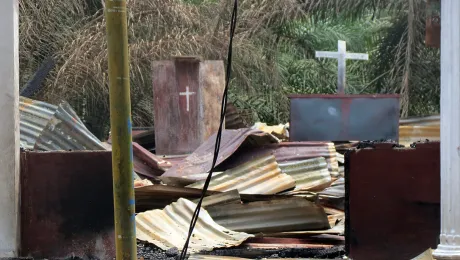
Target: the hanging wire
pixel 196 213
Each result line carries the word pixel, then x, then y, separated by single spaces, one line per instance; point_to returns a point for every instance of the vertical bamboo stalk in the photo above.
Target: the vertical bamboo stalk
pixel 120 119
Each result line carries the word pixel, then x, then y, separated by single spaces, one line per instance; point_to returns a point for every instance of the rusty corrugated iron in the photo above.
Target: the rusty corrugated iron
pixel 223 198
pixel 156 163
pixel 287 152
pixel 417 121
pixel 336 190
pixel 344 117
pixel 65 131
pixel 67 205
pixel 34 116
pixel 412 134
pixel 308 174
pixel 260 176
pixel 282 215
pixel 165 228
pixel 392 201
pixel 201 160
pixel 338 229
pixel 159 196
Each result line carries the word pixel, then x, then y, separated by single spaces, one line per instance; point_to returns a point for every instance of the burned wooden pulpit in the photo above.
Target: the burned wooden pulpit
pixel 187 98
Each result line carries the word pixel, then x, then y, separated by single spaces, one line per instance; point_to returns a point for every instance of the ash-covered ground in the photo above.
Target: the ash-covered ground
pixel 148 251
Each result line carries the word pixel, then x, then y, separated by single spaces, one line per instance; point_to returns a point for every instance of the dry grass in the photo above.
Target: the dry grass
pixel 157 30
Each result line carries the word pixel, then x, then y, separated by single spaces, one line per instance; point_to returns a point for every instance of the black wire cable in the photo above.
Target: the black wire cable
pixel 219 132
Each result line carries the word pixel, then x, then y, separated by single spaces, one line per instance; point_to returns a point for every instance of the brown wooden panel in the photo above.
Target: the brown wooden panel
pixel 212 81
pixel 187 100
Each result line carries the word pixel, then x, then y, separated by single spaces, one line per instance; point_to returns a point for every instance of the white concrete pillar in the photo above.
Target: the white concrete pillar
pixel 9 128
pixel 449 247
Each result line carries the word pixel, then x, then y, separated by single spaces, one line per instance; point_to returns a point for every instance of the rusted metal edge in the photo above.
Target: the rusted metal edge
pixel 259 176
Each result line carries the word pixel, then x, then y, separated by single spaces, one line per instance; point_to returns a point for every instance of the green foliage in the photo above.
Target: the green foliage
pixel 274 51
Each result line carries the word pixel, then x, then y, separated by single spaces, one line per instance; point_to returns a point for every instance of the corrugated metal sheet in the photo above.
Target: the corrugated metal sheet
pixel 308 174
pixel 415 133
pixel 338 229
pixel 157 164
pixel 167 229
pixel 427 120
pixel 223 198
pixel 65 131
pixel 159 196
pixel 261 176
pixel 34 116
pixel 337 189
pixel 285 243
pixel 283 215
pixel 288 152
pixel 201 160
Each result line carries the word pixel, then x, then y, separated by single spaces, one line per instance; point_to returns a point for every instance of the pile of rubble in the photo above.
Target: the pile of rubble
pixel 267 199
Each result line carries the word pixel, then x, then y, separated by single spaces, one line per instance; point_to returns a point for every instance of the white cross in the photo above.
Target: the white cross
pixel 342 56
pixel 187 93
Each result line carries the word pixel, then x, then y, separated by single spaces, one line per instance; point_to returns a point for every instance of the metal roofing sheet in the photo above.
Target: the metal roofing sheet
pixel 168 228
pixel 65 131
pixel 223 198
pixel 261 176
pixel 337 189
pixel 34 116
pixel 159 196
pixel 283 215
pixel 157 164
pixel 308 174
pixel 338 229
pixel 287 152
pixel 201 160
pixel 426 120
pixel 412 133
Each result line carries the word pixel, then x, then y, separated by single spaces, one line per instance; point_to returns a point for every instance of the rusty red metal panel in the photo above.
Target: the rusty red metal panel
pixel 67 205
pixel 344 117
pixel 393 201
pixel 187 94
pixel 201 160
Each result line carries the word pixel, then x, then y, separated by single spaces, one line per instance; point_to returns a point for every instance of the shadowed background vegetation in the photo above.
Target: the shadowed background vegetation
pixel 274 51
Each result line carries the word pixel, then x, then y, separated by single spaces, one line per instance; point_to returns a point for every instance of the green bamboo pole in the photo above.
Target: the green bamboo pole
pixel 120 119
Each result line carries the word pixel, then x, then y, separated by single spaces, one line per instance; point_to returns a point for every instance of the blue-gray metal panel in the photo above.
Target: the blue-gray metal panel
pixel 344 117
